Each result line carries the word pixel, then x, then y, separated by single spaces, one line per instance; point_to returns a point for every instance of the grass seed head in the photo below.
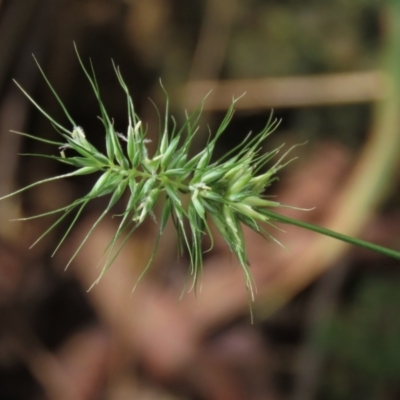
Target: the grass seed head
pixel 226 193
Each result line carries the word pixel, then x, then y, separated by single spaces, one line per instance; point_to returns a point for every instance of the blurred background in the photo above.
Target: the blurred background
pixel 327 316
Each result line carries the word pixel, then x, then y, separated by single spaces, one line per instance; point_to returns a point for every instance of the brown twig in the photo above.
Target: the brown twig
pixel 300 91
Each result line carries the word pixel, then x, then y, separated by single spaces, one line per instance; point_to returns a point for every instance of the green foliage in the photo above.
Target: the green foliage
pixel 304 37
pixel 363 345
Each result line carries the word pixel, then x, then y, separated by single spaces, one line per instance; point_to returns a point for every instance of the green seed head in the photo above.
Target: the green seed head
pixel 226 193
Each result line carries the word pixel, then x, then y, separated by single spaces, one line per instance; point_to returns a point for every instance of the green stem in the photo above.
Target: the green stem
pixel 335 235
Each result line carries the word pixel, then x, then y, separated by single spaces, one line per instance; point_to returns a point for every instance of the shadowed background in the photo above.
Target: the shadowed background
pixel 327 322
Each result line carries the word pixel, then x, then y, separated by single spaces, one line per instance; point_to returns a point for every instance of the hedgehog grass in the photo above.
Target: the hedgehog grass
pixel 227 192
